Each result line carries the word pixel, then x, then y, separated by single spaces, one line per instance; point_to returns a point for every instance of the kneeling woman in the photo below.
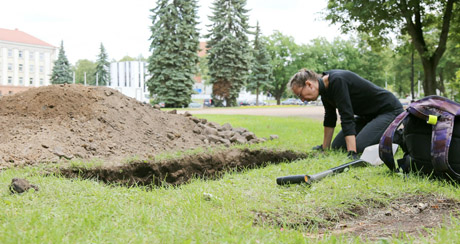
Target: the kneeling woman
pixel 365 109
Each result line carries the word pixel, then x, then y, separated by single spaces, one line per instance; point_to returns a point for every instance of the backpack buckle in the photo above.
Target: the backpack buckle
pixel 432 119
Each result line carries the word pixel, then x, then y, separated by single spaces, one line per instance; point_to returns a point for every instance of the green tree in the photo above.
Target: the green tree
pixel 374 64
pixel 455 87
pixel 203 70
pixel 229 50
pixel 261 69
pixel 83 66
pixel 141 58
pixel 406 67
pixel 415 17
pixel 127 58
pixel 320 55
pixel 102 67
pixel 283 52
pixel 62 73
pixel 174 49
pixel 354 54
pixel 451 62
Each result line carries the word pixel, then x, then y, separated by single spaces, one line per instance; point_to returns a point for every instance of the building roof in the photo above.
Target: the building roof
pixel 21 37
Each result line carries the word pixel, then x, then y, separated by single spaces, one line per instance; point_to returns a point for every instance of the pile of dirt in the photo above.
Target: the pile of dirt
pixel 55 122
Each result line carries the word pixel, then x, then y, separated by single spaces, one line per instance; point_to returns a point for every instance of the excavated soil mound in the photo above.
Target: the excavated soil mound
pixel 56 122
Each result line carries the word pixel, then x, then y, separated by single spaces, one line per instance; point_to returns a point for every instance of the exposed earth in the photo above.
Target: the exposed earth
pixel 56 122
pixel 410 216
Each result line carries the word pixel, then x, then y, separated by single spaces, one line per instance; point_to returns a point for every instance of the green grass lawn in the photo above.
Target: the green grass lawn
pixel 227 210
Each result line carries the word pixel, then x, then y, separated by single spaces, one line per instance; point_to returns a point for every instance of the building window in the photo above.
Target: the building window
pixel 10 67
pixel 41 81
pixel 20 67
pixel 10 80
pixel 31 56
pixel 10 53
pixel 41 68
pixel 21 81
pixel 20 54
pixel 31 68
pixel 31 81
pixel 42 56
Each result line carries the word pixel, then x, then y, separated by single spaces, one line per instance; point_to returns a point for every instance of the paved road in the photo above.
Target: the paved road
pixel 314 112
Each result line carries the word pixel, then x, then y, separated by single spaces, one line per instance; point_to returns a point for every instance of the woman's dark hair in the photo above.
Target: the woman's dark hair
pixel 300 77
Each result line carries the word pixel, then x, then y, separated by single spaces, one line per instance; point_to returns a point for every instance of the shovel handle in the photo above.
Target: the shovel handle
pixel 298 179
pixel 291 179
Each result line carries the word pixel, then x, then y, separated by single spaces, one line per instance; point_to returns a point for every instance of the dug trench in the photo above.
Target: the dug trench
pixel 177 171
pixel 75 123
pixel 410 216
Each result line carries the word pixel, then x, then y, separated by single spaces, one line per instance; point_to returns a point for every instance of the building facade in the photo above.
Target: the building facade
pixel 129 78
pixel 25 61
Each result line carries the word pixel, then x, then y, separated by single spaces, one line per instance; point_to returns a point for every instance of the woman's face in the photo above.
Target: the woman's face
pixel 308 92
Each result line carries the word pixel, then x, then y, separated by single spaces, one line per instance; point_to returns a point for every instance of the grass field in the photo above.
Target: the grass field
pixel 241 207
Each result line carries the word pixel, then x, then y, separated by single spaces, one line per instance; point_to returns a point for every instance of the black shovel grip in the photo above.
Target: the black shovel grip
pixel 291 179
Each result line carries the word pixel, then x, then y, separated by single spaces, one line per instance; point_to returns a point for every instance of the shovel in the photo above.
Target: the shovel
pixel 370 156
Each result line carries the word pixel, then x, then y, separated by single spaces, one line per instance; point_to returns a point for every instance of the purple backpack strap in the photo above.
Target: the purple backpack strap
pixel 386 141
pixel 445 111
pixel 440 143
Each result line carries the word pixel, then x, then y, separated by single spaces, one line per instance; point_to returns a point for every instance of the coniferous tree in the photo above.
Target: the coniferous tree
pixel 229 50
pixel 61 71
pixel 261 69
pixel 174 47
pixel 102 67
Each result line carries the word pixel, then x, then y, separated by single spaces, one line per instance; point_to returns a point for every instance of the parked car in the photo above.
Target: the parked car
pixel 208 102
pixel 243 103
pixel 317 102
pixel 161 104
pixel 253 103
pixel 292 101
pixel 194 105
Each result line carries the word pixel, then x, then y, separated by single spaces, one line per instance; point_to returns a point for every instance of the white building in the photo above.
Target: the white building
pixel 25 61
pixel 129 78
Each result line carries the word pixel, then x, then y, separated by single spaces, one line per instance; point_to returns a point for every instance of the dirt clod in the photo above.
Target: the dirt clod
pixel 19 185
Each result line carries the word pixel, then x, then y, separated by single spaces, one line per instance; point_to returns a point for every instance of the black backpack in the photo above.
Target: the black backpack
pixel 430 139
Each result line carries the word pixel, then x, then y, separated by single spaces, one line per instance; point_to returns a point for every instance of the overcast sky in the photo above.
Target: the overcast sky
pixel 123 26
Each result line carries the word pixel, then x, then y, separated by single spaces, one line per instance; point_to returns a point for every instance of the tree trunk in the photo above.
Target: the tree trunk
pixel 429 81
